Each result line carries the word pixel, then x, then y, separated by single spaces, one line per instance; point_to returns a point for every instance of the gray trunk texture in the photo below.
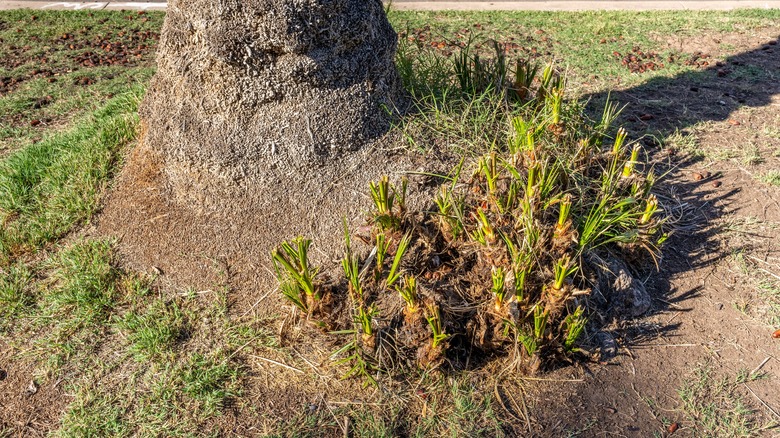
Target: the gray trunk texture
pixel 250 90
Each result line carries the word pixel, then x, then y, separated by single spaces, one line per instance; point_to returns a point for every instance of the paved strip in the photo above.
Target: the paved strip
pixel 461 5
pixel 79 6
pixel 562 5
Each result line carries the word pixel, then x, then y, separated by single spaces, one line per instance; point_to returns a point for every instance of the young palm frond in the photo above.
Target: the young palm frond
pixel 435 323
pixel 573 326
pixel 499 291
pixel 351 269
pixel 562 270
pixel 296 276
pixel 408 293
pixel 395 268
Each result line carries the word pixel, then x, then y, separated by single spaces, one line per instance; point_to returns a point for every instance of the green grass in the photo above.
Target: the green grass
pixel 771 177
pixel 155 331
pixel 76 299
pixel 133 360
pixel 84 280
pixel 464 411
pixel 574 38
pixel 444 408
pixel 714 405
pixel 55 99
pixel 764 306
pixel 135 363
pixel 15 291
pixel 769 293
pixel 210 380
pixel 172 399
pixel 48 188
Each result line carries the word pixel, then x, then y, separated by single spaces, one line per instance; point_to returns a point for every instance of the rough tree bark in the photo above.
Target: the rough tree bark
pixel 252 89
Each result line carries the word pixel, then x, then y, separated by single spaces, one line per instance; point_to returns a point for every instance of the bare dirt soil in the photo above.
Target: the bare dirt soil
pixel 27 409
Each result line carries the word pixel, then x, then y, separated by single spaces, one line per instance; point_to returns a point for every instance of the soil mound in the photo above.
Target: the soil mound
pixel 198 248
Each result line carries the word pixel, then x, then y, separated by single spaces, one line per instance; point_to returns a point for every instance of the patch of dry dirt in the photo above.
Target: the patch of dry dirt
pixel 27 409
pixel 195 248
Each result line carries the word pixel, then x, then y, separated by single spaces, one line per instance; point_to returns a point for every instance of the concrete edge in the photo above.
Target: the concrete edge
pixel 664 5
pixel 406 5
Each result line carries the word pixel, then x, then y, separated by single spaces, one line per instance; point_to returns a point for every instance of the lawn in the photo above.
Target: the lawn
pixel 90 347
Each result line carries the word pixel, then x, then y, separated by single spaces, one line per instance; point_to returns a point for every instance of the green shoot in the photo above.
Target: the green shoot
pixel 364 317
pixel 533 175
pixel 563 269
pixel 382 245
pixel 380 194
pixel 401 197
pixel 563 214
pixel 607 221
pixel 556 99
pixel 519 142
pixel 540 322
pixel 511 195
pixel 498 276
pixel 463 69
pixel 620 138
pixel 628 168
pixel 548 178
pixel 294 294
pixel 488 167
pixel 574 324
pixel 521 274
pixel 521 266
pixel 610 114
pixel 384 194
pixel 484 232
pixel 443 200
pixel 450 210
pixel 360 367
pixel 546 83
pixel 451 207
pixel 409 293
pixel 529 343
pixel 617 152
pixel 352 272
pixel 651 207
pixel 435 323
pixel 296 276
pixel 395 268
pixel 525 73
pixel 351 269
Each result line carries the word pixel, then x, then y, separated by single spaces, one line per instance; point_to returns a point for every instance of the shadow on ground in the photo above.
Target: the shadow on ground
pixel 662 107
pixel 613 397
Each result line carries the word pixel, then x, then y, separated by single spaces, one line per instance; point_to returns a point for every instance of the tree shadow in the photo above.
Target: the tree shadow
pixel 661 107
